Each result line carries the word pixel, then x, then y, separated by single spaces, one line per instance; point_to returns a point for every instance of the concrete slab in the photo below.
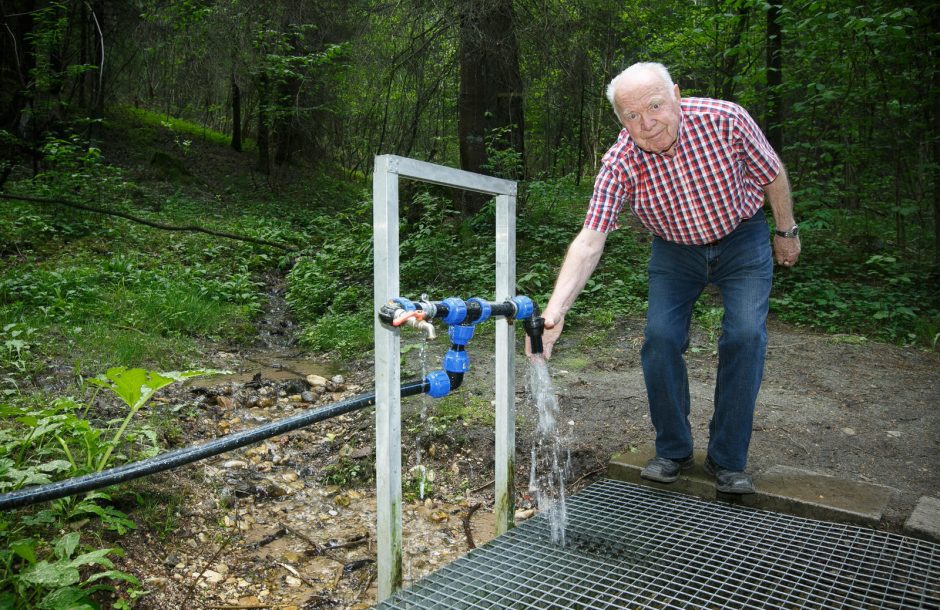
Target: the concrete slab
pixel 781 489
pixel 924 522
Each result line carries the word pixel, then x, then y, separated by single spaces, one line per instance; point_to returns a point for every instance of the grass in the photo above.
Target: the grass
pixel 181 127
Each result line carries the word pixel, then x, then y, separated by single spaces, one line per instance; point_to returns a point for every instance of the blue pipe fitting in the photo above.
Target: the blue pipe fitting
pixel 438 384
pixel 456 311
pixel 460 334
pixel 456 361
pixel 405 303
pixel 524 307
pixel 485 309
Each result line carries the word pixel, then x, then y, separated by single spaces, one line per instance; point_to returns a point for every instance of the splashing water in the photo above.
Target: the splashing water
pixel 425 401
pixel 551 461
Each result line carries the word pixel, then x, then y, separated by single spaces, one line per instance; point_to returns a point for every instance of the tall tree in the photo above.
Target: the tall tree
pixel 774 117
pixel 490 105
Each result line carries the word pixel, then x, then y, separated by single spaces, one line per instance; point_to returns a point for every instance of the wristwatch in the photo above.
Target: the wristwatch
pixel 794 232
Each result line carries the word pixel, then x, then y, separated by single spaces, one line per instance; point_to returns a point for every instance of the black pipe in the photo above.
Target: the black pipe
pixel 187 455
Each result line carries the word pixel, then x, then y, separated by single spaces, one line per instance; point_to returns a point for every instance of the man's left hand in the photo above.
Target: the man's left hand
pixel 786 250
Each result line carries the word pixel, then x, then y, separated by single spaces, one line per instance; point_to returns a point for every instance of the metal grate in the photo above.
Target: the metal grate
pixel 630 546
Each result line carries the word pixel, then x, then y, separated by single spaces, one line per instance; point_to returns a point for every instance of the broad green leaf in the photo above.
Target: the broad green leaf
pixel 67 598
pixel 98 556
pixel 55 466
pixel 50 575
pixel 66 545
pixel 113 575
pixel 25 549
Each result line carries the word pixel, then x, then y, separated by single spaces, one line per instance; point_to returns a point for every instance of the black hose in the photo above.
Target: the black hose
pixel 187 455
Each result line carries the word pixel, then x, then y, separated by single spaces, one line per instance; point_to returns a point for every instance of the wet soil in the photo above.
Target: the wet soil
pixel 263 527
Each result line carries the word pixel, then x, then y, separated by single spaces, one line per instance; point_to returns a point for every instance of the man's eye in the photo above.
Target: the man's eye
pixel 631 116
pixel 654 106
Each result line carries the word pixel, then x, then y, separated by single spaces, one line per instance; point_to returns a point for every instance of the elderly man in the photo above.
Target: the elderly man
pixel 695 173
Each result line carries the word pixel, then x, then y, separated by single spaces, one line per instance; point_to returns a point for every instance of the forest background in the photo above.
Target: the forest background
pixel 168 166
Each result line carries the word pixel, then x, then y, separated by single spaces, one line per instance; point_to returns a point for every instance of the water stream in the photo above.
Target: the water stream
pixel 550 456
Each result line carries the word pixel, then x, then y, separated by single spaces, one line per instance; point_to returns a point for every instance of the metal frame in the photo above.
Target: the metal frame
pixel 388 169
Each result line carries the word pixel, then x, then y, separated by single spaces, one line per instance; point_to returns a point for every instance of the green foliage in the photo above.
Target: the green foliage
pixel 58 577
pixel 182 131
pixel 135 387
pixel 347 472
pixel 41 442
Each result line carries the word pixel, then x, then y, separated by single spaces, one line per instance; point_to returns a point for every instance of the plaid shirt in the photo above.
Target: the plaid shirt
pixel 713 182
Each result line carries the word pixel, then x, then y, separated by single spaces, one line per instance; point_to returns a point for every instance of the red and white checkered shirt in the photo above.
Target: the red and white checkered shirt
pixel 713 182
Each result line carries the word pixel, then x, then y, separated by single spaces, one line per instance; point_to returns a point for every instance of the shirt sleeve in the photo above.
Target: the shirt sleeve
pixel 607 200
pixel 760 159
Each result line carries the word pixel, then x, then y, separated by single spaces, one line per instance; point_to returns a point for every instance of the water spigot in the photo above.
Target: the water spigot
pixel 534 328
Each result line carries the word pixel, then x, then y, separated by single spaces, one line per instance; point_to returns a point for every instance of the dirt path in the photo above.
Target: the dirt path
pixel 260 528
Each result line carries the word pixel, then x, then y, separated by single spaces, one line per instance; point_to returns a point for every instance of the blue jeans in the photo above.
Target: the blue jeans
pixel 741 266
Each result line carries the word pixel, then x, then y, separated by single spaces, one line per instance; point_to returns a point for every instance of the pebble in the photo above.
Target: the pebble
pixel 212 577
pixel 235 464
pixel 848 431
pixel 316 380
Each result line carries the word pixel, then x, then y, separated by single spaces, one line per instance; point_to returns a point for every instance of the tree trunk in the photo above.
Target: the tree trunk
pixel 264 101
pixel 285 120
pixel 774 121
pixel 97 95
pixel 236 115
pixel 490 95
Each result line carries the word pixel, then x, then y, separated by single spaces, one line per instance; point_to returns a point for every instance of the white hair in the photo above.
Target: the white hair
pixel 644 67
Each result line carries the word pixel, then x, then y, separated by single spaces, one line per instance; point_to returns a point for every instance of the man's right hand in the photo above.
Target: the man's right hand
pixel 552 332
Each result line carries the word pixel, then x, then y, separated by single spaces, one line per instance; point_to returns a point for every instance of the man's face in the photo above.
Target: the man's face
pixel 648 110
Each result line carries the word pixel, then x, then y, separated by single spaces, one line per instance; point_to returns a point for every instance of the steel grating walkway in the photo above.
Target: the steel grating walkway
pixel 630 546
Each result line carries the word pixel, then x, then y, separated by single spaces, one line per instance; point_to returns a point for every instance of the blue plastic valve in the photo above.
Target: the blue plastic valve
pixel 524 307
pixel 456 311
pixel 456 362
pixel 439 384
pixel 485 309
pixel 460 334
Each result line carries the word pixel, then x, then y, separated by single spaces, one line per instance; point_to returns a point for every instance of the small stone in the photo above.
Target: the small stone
pixel 212 577
pixel 522 515
pixel 226 402
pixel 235 464
pixel 171 560
pixel 438 516
pixel 848 431
pixel 292 581
pixel 316 381
pixel 294 398
pixel 308 396
pixel 894 433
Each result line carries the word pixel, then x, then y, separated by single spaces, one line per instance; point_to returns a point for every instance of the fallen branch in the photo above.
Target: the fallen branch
pixel 466 524
pixel 586 475
pixel 149 223
pixel 482 487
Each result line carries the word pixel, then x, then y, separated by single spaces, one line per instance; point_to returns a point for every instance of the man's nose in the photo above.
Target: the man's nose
pixel 646 123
